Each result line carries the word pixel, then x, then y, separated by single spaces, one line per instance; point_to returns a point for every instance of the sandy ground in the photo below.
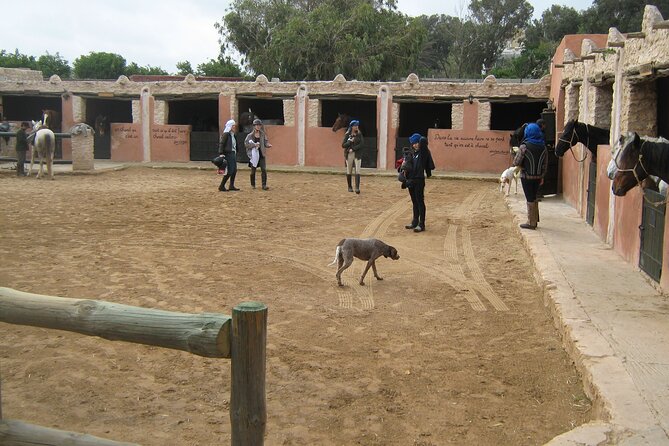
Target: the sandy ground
pixel 453 347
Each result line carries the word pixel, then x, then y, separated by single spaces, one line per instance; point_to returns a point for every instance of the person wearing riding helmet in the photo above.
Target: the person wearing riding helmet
pixel 256 144
pixel 352 146
pixel 422 167
pixel 532 156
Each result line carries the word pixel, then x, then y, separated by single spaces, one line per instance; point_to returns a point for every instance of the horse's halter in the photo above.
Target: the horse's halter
pixel 572 143
pixel 639 162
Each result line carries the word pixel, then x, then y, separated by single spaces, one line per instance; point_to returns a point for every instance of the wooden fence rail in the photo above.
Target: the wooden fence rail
pixel 242 338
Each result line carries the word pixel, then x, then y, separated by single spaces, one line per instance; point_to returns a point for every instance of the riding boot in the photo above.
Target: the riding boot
pixel 348 180
pixel 263 177
pixel 223 181
pixel 536 211
pixel 232 181
pixel 357 183
pixel 253 179
pixel 531 218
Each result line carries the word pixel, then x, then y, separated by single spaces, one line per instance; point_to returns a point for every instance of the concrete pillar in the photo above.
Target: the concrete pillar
pixel 82 148
pixel 616 116
pixel 301 122
pixel 384 102
pixel 145 106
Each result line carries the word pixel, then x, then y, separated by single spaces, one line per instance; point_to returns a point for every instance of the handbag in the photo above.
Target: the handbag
pixel 220 162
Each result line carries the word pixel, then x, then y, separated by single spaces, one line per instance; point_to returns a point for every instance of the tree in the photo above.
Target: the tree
pixel 314 40
pixel 221 67
pixel 184 68
pixel 17 60
pixel 133 68
pixel 497 22
pixel 99 66
pixel 625 15
pixel 50 64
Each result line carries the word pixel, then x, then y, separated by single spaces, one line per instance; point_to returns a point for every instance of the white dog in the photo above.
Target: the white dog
pixel 509 175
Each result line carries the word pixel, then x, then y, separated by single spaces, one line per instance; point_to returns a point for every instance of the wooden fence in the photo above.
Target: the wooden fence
pixel 242 338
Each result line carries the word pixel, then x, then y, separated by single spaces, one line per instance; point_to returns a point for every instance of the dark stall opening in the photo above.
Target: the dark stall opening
pixel 511 115
pixel 662 109
pixel 200 114
pixel 100 113
pixel 29 108
pixel 361 110
pixel 418 117
pixel 269 110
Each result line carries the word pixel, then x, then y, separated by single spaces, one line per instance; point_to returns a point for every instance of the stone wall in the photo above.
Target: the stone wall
pixel 458 116
pixel 484 116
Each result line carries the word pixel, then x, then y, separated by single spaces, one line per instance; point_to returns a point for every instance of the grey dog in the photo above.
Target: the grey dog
pixel 364 249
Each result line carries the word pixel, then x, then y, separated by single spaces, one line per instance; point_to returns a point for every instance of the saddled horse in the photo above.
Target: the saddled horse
pixel 51 120
pixel 44 145
pixel 635 159
pixel 588 135
pixel 341 122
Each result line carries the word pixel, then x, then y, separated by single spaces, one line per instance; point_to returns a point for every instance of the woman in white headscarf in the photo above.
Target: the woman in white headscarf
pixel 227 146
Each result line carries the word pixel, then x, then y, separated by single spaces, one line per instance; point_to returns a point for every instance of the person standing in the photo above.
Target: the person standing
pixel 256 144
pixel 422 167
pixel 21 148
pixel 352 145
pixel 227 146
pixel 532 156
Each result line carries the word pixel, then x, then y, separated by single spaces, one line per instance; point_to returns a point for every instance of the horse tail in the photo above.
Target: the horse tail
pixel 50 140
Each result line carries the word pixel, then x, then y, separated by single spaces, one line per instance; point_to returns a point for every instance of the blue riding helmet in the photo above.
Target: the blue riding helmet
pixel 415 138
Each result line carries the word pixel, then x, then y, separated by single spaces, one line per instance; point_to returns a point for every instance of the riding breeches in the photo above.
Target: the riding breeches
pixel 351 162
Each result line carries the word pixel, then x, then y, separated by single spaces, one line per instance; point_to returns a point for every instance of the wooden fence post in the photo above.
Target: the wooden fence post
pixel 248 411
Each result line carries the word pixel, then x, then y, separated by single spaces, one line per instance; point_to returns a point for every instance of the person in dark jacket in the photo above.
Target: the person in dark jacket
pixel 533 159
pixel 352 146
pixel 21 148
pixel 422 167
pixel 227 146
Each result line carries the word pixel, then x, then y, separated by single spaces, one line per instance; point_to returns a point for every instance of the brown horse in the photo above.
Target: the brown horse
pixel 51 120
pixel 635 159
pixel 341 122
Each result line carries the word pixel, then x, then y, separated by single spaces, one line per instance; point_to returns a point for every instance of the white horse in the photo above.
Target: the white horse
pixel 45 145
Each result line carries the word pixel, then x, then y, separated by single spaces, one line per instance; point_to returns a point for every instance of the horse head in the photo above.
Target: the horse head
pixel 341 122
pixel 50 119
pixel 101 122
pixel 625 168
pixel 567 139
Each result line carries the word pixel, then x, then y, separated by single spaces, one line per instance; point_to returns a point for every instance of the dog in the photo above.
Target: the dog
pixel 364 249
pixel 509 175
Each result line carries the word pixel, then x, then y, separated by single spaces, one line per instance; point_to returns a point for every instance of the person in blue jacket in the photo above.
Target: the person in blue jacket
pixel 422 167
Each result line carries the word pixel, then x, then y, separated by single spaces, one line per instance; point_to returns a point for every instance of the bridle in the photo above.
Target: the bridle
pixel 639 162
pixel 572 143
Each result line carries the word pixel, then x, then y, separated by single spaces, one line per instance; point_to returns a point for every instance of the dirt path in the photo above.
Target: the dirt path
pixel 454 346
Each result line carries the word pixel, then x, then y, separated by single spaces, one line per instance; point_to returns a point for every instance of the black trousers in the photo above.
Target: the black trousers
pixel 530 187
pixel 262 164
pixel 417 192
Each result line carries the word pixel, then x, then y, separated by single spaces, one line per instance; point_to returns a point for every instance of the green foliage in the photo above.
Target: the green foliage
pixel 99 66
pixel 17 60
pixel 316 40
pixel 221 67
pixel 50 64
pixel 133 68
pixel 184 68
pixel 625 15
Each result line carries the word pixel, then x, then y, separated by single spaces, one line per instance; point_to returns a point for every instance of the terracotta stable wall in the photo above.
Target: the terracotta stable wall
pixel 170 142
pixel 626 240
pixel 126 142
pixel 284 145
pixel 664 282
pixel 323 147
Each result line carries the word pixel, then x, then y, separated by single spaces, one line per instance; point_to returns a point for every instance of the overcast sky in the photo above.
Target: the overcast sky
pixel 159 34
